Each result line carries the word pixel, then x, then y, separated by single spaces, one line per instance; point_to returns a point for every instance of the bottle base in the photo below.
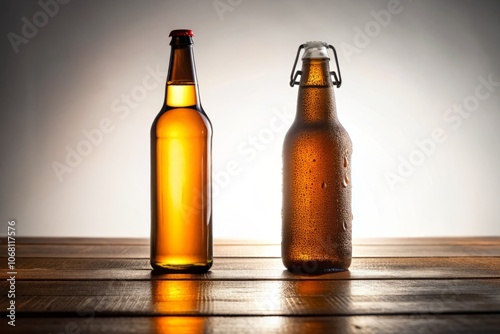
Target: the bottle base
pixel 315 267
pixel 180 269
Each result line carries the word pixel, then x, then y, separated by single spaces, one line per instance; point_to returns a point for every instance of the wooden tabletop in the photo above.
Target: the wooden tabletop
pixel 79 285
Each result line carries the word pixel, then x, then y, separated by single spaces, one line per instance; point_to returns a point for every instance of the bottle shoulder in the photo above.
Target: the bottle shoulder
pixel 182 122
pixel 318 132
pixel 331 126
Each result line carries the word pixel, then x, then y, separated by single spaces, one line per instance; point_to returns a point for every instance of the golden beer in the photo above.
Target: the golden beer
pixel 181 142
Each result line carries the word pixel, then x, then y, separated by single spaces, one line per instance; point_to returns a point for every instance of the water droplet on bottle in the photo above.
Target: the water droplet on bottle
pixel 344 225
pixel 346 162
pixel 314 160
pixel 345 181
pixel 323 185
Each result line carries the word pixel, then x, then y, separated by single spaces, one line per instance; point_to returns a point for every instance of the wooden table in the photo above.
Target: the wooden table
pixel 76 285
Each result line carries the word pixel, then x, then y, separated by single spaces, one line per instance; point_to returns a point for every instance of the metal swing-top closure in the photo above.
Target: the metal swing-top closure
pixel 316 50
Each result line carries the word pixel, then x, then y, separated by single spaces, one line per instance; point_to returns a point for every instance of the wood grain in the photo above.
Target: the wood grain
pixel 303 297
pixel 404 285
pixel 121 251
pixel 256 269
pixel 415 323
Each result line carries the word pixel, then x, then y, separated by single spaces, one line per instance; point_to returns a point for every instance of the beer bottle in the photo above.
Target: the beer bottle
pixel 316 212
pixel 181 143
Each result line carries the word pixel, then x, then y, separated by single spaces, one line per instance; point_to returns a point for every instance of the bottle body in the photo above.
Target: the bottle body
pixel 181 206
pixel 316 212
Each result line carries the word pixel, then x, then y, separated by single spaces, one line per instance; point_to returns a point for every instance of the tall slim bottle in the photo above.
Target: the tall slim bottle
pixel 316 212
pixel 181 192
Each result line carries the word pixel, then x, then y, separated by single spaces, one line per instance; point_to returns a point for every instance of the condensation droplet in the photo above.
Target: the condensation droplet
pixel 314 160
pixel 323 185
pixel 345 181
pixel 346 162
pixel 344 225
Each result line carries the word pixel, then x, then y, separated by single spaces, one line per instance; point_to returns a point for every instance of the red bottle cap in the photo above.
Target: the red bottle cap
pixel 181 32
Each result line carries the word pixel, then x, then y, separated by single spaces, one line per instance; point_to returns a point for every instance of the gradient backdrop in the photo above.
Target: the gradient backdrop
pixel 420 99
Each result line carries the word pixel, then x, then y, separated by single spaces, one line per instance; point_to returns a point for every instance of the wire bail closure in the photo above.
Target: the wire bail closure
pixel 293 77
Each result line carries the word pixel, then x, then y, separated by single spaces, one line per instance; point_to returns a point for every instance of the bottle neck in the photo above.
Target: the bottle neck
pixel 316 99
pixel 182 84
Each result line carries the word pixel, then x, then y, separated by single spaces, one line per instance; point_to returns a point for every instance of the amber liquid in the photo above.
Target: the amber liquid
pixel 316 235
pixel 181 231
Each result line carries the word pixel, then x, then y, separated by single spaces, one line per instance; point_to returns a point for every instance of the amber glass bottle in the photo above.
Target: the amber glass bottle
pixel 316 212
pixel 181 142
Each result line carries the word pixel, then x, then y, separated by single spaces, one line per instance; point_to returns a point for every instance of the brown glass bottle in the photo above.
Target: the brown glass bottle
pixel 316 212
pixel 181 143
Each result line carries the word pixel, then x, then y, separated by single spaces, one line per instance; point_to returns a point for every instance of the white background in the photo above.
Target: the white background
pixel 401 75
